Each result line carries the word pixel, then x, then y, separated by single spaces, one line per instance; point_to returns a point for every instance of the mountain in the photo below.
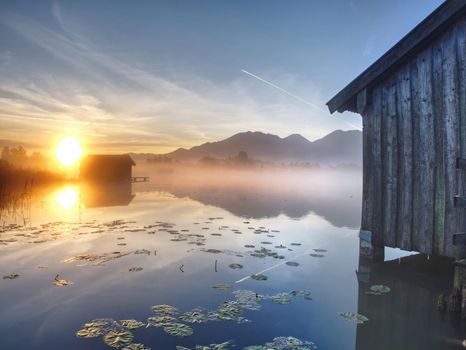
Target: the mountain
pixel 338 147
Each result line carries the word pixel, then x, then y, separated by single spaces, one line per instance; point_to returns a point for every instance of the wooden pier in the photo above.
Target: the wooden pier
pixel 140 179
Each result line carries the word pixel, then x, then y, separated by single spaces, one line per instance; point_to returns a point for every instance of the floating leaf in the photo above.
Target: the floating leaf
pixel 194 316
pixel 135 346
pixel 89 332
pixel 317 255
pixel 353 317
pixel 296 244
pixel 11 277
pixel 132 324
pixel 221 286
pixel 135 269
pixel 235 266
pixel 61 282
pixel 301 293
pixel 319 250
pixel 281 298
pixel 259 277
pixel 118 339
pixel 292 263
pixel 165 309
pixel 379 289
pixel 160 321
pixel 178 329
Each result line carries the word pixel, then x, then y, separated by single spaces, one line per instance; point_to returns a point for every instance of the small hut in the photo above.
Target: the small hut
pixel 413 104
pixel 106 168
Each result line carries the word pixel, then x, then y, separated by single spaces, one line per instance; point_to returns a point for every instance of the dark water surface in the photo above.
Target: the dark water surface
pixel 320 211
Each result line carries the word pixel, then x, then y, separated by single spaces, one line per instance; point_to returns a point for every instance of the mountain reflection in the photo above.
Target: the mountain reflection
pixel 333 195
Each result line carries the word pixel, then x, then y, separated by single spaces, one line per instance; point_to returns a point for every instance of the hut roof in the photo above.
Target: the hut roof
pixel 412 43
pixel 101 158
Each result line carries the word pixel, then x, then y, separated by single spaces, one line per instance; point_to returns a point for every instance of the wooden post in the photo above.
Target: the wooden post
pixel 367 249
pixel 459 283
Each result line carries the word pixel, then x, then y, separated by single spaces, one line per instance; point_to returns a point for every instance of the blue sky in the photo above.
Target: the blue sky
pixel 152 76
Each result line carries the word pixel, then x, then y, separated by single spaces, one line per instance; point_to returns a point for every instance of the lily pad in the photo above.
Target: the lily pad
pixel 118 339
pixel 178 329
pixel 194 316
pixel 135 269
pixel 221 286
pixel 292 263
pixel 160 321
pixel 132 324
pixel 11 277
pixel 319 250
pixel 165 309
pixel 61 282
pixel 259 277
pixel 89 332
pixel 235 266
pixel 295 244
pixel 353 317
pixel 281 298
pixel 379 289
pixel 317 255
pixel 136 346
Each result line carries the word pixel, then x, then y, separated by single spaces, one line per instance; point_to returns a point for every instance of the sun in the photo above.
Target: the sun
pixel 68 151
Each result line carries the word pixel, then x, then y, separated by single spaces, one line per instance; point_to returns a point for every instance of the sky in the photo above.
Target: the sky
pixel 152 76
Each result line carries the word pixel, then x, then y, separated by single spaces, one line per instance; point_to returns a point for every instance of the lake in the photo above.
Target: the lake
pixel 239 259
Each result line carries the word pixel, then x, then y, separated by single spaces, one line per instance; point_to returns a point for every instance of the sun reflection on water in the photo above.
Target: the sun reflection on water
pixel 67 198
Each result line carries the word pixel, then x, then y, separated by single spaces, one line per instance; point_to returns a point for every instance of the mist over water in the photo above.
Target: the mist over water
pixel 127 247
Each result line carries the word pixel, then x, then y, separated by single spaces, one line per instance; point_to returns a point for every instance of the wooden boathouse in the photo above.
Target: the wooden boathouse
pixel 413 104
pixel 106 168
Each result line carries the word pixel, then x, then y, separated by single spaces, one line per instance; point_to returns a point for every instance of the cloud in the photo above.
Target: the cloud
pixel 114 104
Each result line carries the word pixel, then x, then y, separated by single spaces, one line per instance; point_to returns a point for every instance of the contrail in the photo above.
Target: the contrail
pixel 300 99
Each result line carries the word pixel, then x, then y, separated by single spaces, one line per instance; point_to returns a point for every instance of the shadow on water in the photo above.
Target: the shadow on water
pixel 408 317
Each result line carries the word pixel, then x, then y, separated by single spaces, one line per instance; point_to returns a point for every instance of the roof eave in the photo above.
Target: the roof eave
pixel 446 13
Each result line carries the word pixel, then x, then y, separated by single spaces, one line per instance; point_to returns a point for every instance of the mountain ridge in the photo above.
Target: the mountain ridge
pixel 338 147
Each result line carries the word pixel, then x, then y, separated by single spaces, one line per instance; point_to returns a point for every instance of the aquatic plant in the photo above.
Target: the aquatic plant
pixel 11 276
pixel 353 317
pixel 135 269
pixel 160 321
pixel 178 329
pixel 259 277
pixel 132 324
pixel 118 339
pixel 194 316
pixel 61 282
pixel 165 309
pixel 221 286
pixel 281 298
pixel 378 289
pixel 235 266
pixel 284 343
pixel 317 255
pixel 135 346
pixel 292 263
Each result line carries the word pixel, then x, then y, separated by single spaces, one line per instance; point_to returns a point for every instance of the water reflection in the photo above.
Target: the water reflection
pixel 96 195
pixel 407 317
pixel 67 197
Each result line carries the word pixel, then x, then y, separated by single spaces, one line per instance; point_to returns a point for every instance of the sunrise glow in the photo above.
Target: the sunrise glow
pixel 68 151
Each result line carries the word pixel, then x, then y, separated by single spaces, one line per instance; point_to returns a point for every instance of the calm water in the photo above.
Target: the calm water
pixel 167 227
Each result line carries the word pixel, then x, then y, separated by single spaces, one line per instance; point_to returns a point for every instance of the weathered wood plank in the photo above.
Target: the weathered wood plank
pixel 451 136
pixel 426 151
pixel 461 161
pixel 405 156
pixel 367 192
pixel 415 111
pixel 389 163
pixel 376 170
pixel 459 202
pixel 439 195
pixel 459 239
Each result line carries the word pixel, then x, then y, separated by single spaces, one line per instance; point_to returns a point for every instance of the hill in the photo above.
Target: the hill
pixel 338 147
